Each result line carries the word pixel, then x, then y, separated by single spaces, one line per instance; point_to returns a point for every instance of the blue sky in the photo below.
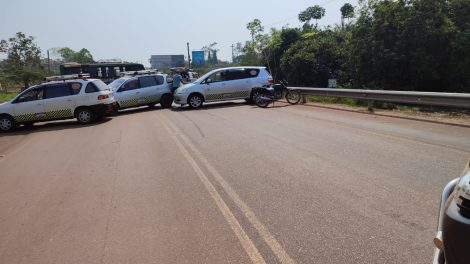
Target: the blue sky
pixel 133 30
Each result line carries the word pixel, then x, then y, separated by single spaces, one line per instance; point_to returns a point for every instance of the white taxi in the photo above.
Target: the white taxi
pixel 142 88
pixel 62 97
pixel 223 84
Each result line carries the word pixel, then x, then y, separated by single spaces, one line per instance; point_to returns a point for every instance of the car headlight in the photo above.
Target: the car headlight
pixel 181 90
pixel 462 193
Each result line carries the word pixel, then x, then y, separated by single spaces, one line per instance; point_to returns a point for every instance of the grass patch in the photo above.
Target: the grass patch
pixel 405 108
pixel 4 97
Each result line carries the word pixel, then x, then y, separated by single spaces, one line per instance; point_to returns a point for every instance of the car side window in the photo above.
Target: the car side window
pixel 147 81
pixel 250 73
pixel 32 95
pixel 160 79
pixel 216 77
pixel 75 87
pixel 130 85
pixel 91 88
pixel 235 74
pixel 57 90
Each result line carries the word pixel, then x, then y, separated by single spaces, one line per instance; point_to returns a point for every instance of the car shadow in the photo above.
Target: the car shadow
pixel 229 104
pixel 51 126
pixel 141 109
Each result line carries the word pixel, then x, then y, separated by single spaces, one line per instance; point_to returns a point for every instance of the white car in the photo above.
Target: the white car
pixel 142 89
pixel 71 97
pixel 223 84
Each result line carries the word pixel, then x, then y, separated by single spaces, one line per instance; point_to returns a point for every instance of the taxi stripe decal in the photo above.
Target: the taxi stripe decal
pixel 54 114
pixel 220 96
pixel 141 101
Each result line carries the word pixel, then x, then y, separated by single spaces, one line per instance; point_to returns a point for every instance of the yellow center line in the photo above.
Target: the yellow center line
pixel 246 242
pixel 277 249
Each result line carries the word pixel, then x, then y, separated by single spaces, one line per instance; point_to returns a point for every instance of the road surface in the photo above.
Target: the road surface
pixel 230 183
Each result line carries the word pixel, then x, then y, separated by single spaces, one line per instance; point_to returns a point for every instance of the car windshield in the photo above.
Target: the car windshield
pixel 116 84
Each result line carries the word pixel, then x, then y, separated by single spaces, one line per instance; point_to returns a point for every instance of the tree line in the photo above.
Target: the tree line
pixel 24 64
pixel 421 45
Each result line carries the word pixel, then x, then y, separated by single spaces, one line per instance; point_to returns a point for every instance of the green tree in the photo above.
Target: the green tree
pixel 313 12
pixel 255 28
pixel 23 62
pixel 81 56
pixel 347 12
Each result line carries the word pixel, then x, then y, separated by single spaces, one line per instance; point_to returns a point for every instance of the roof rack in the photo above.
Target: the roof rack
pixel 135 73
pixel 66 77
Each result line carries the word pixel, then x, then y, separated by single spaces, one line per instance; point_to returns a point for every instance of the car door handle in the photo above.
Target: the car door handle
pixel 69 100
pixel 137 93
pixel 39 104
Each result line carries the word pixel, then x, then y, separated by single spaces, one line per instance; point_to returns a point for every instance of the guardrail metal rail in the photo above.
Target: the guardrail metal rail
pixel 460 100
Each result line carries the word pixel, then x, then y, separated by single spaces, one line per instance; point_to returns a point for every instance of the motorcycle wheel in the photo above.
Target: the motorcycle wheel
pixel 293 96
pixel 261 101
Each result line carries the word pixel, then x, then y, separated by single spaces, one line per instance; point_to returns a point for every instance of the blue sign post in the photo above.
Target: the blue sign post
pixel 198 57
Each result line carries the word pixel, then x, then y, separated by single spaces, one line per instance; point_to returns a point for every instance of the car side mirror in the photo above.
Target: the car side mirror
pixel 208 81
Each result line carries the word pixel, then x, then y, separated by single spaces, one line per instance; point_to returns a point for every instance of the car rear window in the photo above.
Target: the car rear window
pixel 100 85
pixel 91 88
pixel 160 79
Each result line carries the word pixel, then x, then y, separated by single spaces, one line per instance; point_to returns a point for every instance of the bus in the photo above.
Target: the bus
pixel 107 72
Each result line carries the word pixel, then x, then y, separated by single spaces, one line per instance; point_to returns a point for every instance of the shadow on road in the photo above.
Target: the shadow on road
pixel 209 106
pixel 51 126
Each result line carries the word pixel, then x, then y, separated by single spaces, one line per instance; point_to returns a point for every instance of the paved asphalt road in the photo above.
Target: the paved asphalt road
pixel 230 183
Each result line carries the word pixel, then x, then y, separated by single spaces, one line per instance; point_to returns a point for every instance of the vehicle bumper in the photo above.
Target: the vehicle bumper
pixel 181 99
pixel 456 231
pixel 104 109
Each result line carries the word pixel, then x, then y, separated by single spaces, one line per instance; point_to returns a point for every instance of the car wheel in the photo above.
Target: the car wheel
pixel 166 101
pixel 7 123
pixel 84 116
pixel 195 101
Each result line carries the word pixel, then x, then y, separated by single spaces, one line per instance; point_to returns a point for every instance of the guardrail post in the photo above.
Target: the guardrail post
pixel 370 106
pixel 304 99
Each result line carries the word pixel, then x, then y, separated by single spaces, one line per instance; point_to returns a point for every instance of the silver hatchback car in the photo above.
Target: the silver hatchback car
pixel 223 84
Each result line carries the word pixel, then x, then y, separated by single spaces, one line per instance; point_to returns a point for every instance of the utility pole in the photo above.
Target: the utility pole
pixel 189 57
pixel 49 62
pixel 233 58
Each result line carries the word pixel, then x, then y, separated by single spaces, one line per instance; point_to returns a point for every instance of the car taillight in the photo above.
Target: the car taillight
pixel 270 81
pixel 103 96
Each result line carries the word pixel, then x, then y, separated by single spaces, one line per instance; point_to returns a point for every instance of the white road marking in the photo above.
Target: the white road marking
pixel 277 249
pixel 246 242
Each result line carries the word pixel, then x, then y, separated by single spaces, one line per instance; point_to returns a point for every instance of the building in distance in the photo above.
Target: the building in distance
pixel 165 62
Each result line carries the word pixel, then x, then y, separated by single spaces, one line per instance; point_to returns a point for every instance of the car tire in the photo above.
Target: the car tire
pixel 7 123
pixel 195 101
pixel 84 115
pixel 253 95
pixel 166 101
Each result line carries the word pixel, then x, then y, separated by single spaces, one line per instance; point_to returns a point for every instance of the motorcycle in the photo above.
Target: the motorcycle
pixel 452 240
pixel 263 96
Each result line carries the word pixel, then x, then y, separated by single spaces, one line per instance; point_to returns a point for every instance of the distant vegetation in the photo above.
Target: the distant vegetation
pixel 421 45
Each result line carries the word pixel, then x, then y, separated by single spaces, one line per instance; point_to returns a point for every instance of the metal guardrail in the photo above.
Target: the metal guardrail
pixel 421 98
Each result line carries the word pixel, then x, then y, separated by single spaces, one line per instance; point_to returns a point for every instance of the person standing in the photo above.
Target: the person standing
pixel 177 81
